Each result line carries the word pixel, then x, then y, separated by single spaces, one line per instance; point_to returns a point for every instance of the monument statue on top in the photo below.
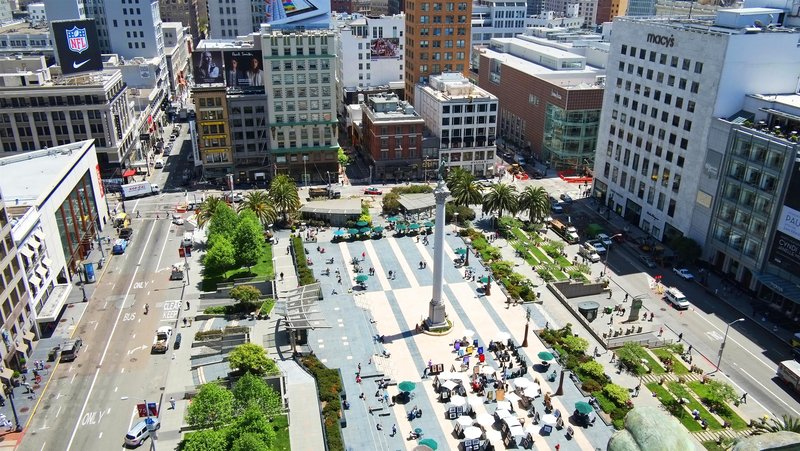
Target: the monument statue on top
pixel 437 317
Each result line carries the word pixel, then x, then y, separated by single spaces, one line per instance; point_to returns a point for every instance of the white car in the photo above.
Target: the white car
pixel 605 239
pixel 683 273
pixel 599 247
pixel 159 164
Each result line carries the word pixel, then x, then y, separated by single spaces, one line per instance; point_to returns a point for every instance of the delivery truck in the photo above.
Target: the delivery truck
pixel 138 189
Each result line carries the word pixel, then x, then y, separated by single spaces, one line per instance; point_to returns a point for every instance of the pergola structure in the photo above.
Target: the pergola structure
pixel 299 311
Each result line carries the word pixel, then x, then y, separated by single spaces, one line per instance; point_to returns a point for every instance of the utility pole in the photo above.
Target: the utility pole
pixel 527 324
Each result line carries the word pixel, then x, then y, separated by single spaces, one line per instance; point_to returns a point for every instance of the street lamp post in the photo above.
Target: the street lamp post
pixel 724 340
pixel 527 324
pixel 82 280
pixel 305 172
pixel 608 251
pixel 455 215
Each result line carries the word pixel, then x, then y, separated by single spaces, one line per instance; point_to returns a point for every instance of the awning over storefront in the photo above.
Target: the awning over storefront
pixel 129 173
pixel 52 308
pixel 780 286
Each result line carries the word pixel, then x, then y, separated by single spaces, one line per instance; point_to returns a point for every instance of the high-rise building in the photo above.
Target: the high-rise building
pixel 437 40
pixel 667 81
pixel 229 19
pixel 587 9
pixel 300 75
pixel 644 8
pixel 392 138
pixel 464 119
pixel 128 29
pixel 497 19
pixel 550 101
pixel 183 11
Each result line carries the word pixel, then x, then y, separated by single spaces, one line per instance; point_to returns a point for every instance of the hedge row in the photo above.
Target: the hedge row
pixel 305 275
pixel 330 386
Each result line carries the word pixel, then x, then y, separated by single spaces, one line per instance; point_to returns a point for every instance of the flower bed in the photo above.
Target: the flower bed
pixel 724 411
pixel 677 367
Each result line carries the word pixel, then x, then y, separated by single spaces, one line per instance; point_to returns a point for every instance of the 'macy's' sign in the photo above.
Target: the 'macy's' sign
pixel 666 41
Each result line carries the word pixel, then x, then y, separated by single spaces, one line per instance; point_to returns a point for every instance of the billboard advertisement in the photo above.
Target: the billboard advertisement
pixel 243 69
pixel 297 12
pixel 207 67
pixel 786 244
pixel 77 46
pixel 381 48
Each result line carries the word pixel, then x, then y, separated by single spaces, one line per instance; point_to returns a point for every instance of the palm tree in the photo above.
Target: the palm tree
pixel 206 210
pixel 457 175
pixel 501 198
pixel 283 193
pixel 535 201
pixel 466 191
pixel 788 423
pixel 259 203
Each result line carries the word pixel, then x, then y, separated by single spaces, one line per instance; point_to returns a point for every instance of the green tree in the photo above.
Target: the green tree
pixel 391 202
pixel 261 205
pixel 534 201
pixel 212 407
pixel 248 441
pixel 593 369
pixel 220 256
pixel 618 395
pixel 223 223
pixel 457 175
pixel 253 421
pixel 205 211
pixel 686 249
pixel 251 358
pixel 251 390
pixel 246 294
pixel 575 345
pixel 501 198
pixel 248 240
pixel 787 423
pixel 284 195
pixel 466 191
pixel 205 440
pixel 342 157
pixel 628 355
pixel 719 393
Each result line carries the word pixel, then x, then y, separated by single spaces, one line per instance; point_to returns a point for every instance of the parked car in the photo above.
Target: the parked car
pixel 598 246
pixel 683 273
pixel 566 198
pixel 373 191
pixel 557 208
pixel 536 174
pixel 648 261
pixel 139 432
pixel 604 238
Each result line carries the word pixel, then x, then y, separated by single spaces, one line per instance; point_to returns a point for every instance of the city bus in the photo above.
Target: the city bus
pixel 789 372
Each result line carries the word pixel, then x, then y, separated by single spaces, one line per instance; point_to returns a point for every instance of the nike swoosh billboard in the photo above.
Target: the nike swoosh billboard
pixel 77 46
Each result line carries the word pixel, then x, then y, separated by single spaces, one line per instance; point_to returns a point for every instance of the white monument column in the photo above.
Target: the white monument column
pixel 437 317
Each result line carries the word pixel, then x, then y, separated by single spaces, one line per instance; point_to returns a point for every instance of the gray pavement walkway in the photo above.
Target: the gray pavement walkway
pixel 305 415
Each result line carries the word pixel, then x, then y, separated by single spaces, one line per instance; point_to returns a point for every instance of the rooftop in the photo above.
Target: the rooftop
pixel 729 21
pixel 585 78
pixel 22 27
pixel 388 107
pixel 28 178
pixel 223 44
pixel 454 85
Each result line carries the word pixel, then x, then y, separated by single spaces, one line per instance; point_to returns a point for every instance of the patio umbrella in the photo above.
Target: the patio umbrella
pixel 461 251
pixel 549 419
pixel 339 232
pixel 414 226
pixel 422 448
pixel 430 443
pixel 352 231
pixel 377 229
pixel 361 278
pixel 522 382
pixel 406 386
pixel 395 219
pixel 504 405
pixel 458 401
pixel 401 226
pixel 532 391
pixel 546 356
pixel 362 223
pixel 484 419
pixel 474 400
pixel 494 437
pixel 485 279
pixel 488 370
pixel 471 433
pixel 512 397
pixel 428 224
pixel 583 407
pixel 365 230
pixel 503 336
pixel 465 422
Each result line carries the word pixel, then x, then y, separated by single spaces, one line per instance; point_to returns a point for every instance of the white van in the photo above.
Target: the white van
pixel 588 252
pixel 139 432
pixel 187 240
pixel 676 298
pixel 159 164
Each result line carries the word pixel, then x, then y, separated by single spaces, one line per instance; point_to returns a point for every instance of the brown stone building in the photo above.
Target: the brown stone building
pixel 437 40
pixel 183 11
pixel 391 137
pixel 549 110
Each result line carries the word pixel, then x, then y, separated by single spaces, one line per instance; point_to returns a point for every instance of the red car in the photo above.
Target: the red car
pixel 373 191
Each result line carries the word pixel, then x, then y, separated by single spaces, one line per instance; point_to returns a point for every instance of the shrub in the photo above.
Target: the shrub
pixel 245 294
pixel 330 386
pixel 305 275
pixel 215 310
pixel 208 335
pixel 545 275
pixel 618 395
pixel 592 369
pixel 575 345
pixel 591 385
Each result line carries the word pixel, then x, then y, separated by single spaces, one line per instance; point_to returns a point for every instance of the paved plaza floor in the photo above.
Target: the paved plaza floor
pixel 391 307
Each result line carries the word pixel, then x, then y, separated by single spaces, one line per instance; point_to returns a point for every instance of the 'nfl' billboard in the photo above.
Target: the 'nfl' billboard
pixel 77 46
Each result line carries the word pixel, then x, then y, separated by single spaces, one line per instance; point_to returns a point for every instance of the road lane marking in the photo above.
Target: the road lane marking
pixel 108 342
pixel 768 391
pixel 58 412
pixel 43 446
pixel 73 378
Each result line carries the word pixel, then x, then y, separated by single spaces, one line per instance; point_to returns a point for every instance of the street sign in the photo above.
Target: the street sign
pixel 152 408
pixel 142 409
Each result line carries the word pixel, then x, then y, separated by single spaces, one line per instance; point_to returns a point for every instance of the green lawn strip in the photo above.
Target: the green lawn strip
pixel 519 234
pixel 540 255
pixel 267 305
pixel 563 262
pixel 665 397
pixel 682 392
pixel 260 271
pixel 281 426
pixel 655 366
pixel 560 275
pixel 726 413
pixel 678 368
pixel 522 248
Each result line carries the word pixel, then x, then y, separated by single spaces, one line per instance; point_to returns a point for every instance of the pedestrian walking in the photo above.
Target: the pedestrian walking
pixel 281 275
pixel 185 321
pixel 689 351
pixel 363 256
pixel 172 403
pixel 744 398
pixel 626 296
pixel 188 306
pixel 680 336
pixel 359 367
pixel 660 331
pixel 394 430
